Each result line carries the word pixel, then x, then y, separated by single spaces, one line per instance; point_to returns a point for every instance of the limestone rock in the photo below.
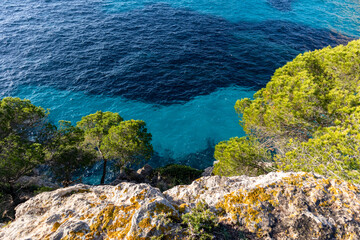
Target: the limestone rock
pixel 279 205
pixel 273 206
pixel 145 171
pixel 124 211
pixel 207 172
pixel 141 175
pixel 213 189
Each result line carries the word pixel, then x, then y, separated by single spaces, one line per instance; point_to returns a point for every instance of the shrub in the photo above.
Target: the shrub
pixel 175 174
pixel 43 189
pixel 240 156
pixel 200 222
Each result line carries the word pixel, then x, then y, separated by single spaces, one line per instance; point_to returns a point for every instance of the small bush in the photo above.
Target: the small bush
pixel 175 174
pixel 200 222
pixel 43 189
pixel 241 156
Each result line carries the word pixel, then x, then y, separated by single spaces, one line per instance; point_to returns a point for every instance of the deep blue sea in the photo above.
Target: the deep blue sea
pixel 180 65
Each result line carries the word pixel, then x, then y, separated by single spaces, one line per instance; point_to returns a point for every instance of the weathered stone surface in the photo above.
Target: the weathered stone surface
pixel 127 210
pixel 273 206
pixel 207 172
pixel 141 175
pixel 213 189
pixel 145 171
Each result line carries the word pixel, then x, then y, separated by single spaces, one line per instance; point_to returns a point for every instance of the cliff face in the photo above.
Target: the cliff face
pixel 273 206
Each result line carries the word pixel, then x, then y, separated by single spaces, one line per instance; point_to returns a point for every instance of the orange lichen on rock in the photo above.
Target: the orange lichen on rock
pixel 291 200
pixel 277 206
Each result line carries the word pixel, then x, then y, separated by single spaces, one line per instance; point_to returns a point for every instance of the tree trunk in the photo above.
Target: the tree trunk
pixel 15 198
pixel 104 173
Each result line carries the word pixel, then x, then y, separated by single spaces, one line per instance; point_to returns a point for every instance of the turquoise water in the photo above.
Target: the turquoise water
pixel 178 129
pixel 178 65
pixel 342 16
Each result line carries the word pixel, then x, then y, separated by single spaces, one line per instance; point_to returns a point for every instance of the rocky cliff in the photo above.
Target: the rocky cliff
pixel 274 206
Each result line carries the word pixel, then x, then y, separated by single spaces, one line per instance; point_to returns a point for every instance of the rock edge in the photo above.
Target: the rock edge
pixel 273 206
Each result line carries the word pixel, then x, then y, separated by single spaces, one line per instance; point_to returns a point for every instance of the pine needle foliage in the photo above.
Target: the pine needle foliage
pixel 308 114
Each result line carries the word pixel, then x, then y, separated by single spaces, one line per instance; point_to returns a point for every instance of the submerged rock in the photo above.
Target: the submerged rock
pixel 273 206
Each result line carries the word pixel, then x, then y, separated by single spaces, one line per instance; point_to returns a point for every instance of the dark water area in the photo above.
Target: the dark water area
pixel 157 54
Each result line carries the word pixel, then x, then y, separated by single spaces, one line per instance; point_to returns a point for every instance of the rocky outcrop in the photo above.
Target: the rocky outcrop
pixel 142 175
pixel 163 178
pixel 125 211
pixel 207 172
pixel 24 188
pixel 40 181
pixel 274 206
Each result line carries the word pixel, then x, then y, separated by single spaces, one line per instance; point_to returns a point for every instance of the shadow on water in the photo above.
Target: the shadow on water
pixel 157 54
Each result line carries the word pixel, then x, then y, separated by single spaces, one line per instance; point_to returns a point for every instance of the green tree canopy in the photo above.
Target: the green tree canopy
pixel 113 138
pixel 22 118
pixel 97 125
pixel 18 157
pixel 241 156
pixel 308 113
pixel 129 142
pixel 21 125
pixel 332 152
pixel 22 129
pixel 68 154
pixel 314 91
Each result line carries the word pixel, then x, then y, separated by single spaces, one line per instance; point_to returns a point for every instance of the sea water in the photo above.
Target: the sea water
pixel 178 65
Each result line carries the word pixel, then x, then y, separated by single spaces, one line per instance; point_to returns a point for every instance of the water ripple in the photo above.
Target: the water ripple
pixel 157 54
